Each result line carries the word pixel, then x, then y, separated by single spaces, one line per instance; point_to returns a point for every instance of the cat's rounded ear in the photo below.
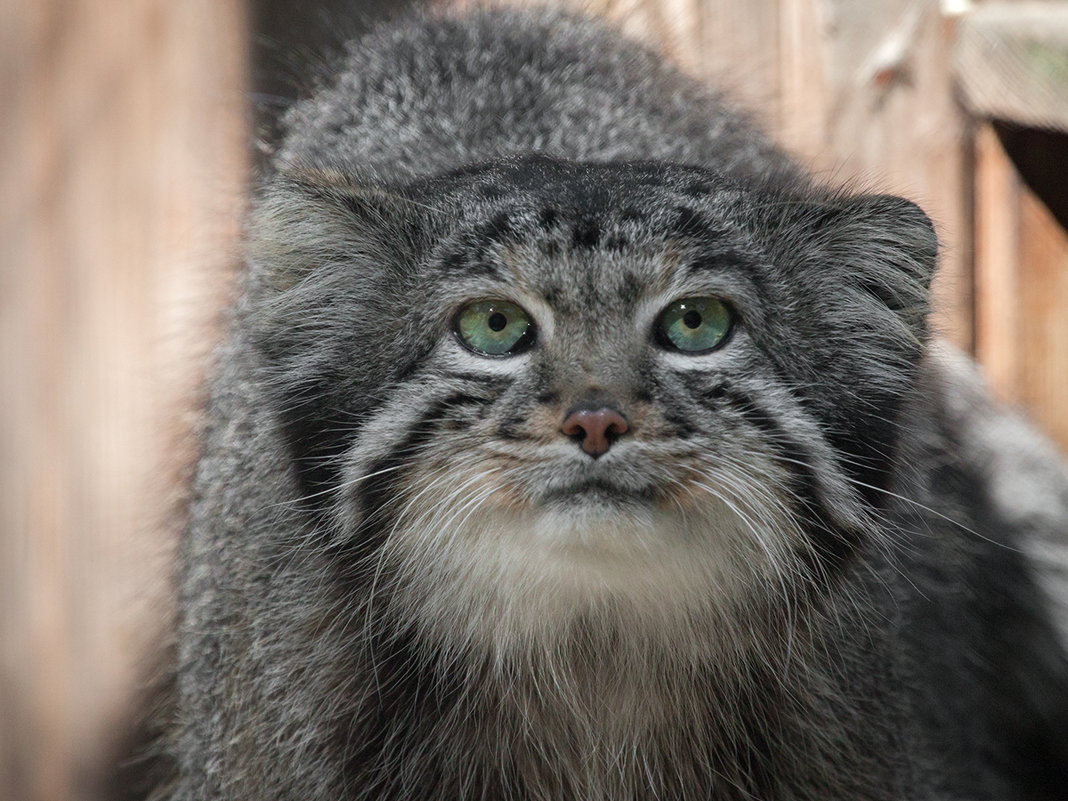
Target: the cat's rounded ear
pixel 889 249
pixel 305 219
pixel 879 247
pixel 897 232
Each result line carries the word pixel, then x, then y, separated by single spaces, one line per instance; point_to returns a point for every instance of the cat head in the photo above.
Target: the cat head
pixel 537 391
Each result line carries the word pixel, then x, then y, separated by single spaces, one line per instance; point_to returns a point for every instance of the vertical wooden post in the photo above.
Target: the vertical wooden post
pixel 1042 317
pixel 1021 283
pixel 121 162
pixel 997 224
pixel 1011 60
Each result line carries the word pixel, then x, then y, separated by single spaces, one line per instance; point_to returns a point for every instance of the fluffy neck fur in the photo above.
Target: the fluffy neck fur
pixel 597 715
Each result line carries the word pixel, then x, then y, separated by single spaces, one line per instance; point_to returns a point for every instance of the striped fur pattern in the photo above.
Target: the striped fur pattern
pixel 402 581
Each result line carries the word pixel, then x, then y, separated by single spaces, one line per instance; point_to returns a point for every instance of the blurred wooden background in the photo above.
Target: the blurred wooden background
pixel 121 171
pixel 123 159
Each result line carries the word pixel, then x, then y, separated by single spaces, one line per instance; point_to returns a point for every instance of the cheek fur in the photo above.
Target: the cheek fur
pixel 476 566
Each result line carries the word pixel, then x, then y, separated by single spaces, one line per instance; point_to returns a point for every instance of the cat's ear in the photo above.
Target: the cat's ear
pixel 881 247
pixel 891 250
pixel 304 220
pixel 896 232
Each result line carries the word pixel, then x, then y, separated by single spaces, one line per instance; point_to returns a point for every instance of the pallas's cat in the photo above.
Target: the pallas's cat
pixel 571 443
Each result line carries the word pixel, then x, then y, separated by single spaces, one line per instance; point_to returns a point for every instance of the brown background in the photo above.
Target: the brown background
pixel 123 160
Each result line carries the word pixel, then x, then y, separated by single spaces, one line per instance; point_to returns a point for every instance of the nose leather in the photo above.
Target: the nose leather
pixel 596 429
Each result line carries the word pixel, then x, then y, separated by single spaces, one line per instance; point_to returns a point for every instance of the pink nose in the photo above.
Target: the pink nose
pixel 595 429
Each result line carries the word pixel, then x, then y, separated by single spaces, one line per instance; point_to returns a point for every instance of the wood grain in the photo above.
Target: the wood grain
pixel 121 161
pixel 997 230
pixel 1042 314
pixel 1021 280
pixel 1012 62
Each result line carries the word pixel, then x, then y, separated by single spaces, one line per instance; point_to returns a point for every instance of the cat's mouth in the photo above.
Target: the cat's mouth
pixel 598 491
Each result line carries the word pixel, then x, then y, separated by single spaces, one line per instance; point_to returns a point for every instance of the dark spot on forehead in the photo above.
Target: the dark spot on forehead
pixel 470 260
pixel 548 217
pixel 630 289
pixel 497 229
pixel 696 188
pixel 688 223
pixel 632 214
pixel 490 191
pixel 454 260
pixel 587 233
pixel 726 257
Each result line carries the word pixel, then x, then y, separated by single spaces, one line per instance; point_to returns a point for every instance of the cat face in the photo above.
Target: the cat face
pixel 541 389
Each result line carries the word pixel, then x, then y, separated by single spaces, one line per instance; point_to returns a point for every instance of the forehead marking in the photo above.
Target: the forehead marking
pixel 696 188
pixel 587 233
pixel 497 229
pixel 547 218
pixel 689 223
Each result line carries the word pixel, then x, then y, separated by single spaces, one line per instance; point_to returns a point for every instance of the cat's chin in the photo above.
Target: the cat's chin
pixel 514 575
pixel 599 503
pixel 599 493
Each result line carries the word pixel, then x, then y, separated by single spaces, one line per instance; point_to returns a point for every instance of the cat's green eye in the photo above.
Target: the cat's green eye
pixel 495 328
pixel 694 325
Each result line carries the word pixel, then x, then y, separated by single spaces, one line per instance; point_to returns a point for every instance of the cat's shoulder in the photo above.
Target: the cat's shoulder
pixel 1026 475
pixel 959 440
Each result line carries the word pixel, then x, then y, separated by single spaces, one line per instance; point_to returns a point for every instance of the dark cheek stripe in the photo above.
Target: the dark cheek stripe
pixel 833 544
pixel 511 426
pixel 679 421
pixel 387 473
pixel 495 383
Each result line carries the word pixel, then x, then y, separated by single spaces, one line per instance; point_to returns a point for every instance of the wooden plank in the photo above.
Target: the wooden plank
pixel 997 241
pixel 892 123
pixel 1011 61
pixel 1021 278
pixel 120 172
pixel 805 51
pixel 1042 265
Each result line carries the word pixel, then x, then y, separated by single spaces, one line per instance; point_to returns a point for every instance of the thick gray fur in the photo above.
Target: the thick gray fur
pixel 855 614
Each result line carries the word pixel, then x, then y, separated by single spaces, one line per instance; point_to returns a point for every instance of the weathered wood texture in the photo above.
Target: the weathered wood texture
pixel 121 159
pixel 1021 284
pixel 1012 62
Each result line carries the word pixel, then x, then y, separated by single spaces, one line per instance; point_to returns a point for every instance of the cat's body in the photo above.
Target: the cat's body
pixel 781 572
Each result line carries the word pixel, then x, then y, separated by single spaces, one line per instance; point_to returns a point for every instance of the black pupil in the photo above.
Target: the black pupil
pixel 692 319
pixel 497 321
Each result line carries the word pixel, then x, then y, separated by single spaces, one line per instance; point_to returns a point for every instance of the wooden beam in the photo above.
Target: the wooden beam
pixel 1042 317
pixel 121 166
pixel 1011 62
pixel 1021 279
pixel 997 303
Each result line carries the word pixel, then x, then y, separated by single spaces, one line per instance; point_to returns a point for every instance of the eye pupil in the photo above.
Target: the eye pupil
pixel 694 325
pixel 495 328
